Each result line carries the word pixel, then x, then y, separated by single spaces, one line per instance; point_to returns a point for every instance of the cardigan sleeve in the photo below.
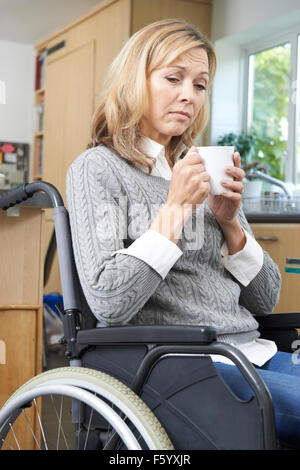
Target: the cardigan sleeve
pixel 116 285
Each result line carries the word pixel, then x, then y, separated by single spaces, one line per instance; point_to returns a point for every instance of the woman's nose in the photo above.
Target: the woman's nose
pixel 187 91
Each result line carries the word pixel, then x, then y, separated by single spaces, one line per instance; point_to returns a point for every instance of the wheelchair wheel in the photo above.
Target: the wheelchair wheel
pixel 89 410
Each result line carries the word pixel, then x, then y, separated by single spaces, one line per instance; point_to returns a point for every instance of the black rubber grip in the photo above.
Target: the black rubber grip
pixel 13 197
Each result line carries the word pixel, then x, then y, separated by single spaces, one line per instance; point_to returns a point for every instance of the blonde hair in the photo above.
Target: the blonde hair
pixel 120 109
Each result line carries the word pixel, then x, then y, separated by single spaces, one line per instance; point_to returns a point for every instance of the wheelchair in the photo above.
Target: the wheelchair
pixel 134 387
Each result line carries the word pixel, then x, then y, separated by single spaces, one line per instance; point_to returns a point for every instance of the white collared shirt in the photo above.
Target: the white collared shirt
pixel 161 254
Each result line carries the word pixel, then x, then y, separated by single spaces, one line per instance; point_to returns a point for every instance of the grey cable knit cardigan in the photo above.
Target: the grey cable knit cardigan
pixel 111 204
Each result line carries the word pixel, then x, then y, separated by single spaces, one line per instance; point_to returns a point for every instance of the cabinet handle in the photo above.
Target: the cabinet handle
pixel 267 239
pixel 56 47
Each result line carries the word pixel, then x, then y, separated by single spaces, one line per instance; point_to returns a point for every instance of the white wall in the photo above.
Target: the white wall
pixel 29 21
pixel 17 71
pixel 235 24
pixel 232 17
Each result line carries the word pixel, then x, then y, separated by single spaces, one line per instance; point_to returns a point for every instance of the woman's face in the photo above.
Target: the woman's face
pixel 176 94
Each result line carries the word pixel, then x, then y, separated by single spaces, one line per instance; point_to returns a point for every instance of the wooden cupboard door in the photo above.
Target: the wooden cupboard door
pixel 111 27
pixel 21 255
pixel 21 335
pixel 282 241
pixel 198 14
pixel 78 103
pixel 194 12
pixel 68 111
pixel 54 125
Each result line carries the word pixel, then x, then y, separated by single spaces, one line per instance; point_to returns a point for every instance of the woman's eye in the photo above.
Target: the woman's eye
pixel 200 87
pixel 173 79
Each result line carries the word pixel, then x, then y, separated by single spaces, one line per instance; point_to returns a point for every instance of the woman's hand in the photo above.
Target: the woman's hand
pixel 190 181
pixel 226 206
pixel 189 186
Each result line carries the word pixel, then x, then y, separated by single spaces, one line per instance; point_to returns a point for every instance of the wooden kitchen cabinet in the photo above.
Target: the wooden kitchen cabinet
pixel 281 240
pixel 68 108
pixel 21 289
pixel 194 12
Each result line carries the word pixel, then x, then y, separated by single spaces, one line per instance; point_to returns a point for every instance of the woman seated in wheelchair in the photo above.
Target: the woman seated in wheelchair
pixel 152 245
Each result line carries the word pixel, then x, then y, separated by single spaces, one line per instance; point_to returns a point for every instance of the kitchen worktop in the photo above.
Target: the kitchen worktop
pixel 284 217
pixel 272 209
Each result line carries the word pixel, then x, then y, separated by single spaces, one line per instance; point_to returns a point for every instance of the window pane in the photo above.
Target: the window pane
pixel 268 101
pixel 296 101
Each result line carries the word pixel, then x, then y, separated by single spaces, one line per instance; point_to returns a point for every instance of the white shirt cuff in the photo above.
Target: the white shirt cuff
pixel 154 249
pixel 245 264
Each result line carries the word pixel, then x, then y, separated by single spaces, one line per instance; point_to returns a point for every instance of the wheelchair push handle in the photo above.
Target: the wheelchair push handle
pixel 13 197
pixel 24 192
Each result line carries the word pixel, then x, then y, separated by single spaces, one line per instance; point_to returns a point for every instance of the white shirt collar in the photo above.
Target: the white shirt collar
pixel 152 148
pixel 157 151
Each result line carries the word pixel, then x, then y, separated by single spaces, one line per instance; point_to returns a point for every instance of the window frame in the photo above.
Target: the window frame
pixel 260 45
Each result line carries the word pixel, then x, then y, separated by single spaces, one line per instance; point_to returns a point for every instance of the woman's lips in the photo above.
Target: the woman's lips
pixel 181 115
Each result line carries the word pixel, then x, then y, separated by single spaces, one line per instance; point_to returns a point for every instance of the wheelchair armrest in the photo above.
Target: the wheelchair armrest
pixel 279 321
pixel 149 334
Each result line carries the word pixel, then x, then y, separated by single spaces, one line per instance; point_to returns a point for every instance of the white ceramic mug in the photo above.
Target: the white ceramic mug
pixel 216 159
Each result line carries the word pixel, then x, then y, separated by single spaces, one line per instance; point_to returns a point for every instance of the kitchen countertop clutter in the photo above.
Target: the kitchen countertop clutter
pixel 272 208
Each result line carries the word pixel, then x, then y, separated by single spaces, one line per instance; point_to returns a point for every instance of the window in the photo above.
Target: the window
pixel 273 106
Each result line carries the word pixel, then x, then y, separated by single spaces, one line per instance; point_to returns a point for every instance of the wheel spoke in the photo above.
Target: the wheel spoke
pixel 30 427
pixel 59 418
pixel 40 423
pixel 88 428
pixel 15 437
pixel 7 444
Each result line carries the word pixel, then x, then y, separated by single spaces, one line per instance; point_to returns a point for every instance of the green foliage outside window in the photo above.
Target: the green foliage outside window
pixel 265 146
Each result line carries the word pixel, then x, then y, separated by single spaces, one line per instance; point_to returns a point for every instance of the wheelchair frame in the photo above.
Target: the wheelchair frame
pixel 162 341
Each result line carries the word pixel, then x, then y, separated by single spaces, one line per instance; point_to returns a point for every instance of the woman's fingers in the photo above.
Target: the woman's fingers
pixel 237 159
pixel 191 164
pixel 236 171
pixel 235 186
pixel 190 180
